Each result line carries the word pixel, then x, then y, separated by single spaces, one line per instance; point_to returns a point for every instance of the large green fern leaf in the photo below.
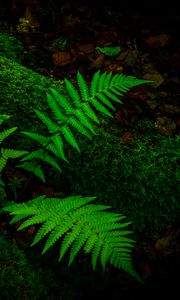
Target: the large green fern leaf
pixel 81 226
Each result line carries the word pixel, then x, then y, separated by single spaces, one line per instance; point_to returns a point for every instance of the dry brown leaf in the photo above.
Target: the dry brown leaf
pixel 159 40
pixel 61 58
pixel 156 77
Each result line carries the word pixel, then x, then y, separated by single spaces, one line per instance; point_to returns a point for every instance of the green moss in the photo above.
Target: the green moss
pixel 140 179
pixel 11 47
pixel 18 279
pixel 21 91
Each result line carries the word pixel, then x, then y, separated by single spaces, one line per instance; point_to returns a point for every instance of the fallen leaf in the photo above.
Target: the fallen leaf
pixel 61 58
pixel 159 40
pixel 157 79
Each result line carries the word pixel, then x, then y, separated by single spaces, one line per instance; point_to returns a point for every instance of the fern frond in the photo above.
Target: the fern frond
pixel 51 125
pixel 73 93
pixel 79 127
pixel 4 134
pixel 9 153
pixel 33 167
pixel 43 140
pixel 83 87
pixel 3 162
pixel 41 154
pixel 84 120
pixel 97 104
pixel 94 83
pixel 12 153
pixel 89 112
pixel 105 101
pixel 62 101
pixel 81 226
pixel 58 113
pixel 69 137
pixel 58 144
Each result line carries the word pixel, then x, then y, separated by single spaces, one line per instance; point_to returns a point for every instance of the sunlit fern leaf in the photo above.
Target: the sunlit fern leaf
pixel 107 79
pixel 37 154
pixel 79 127
pixel 3 162
pixel 56 234
pixel 94 83
pixel 114 79
pixel 73 93
pixel 84 120
pixel 112 96
pixel 78 244
pixel 62 101
pixel 41 154
pixel 33 167
pixel 97 104
pixel 96 252
pixel 58 144
pixel 58 113
pixel 11 153
pixel 105 101
pixel 116 90
pixel 43 140
pixel 83 87
pixel 81 226
pixel 51 125
pixel 4 134
pixel 101 83
pixel 91 242
pixel 51 161
pixel 69 238
pixel 90 113
pixel 51 147
pixel 68 135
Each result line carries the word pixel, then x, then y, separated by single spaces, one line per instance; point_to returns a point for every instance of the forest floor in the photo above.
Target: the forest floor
pixel 148 47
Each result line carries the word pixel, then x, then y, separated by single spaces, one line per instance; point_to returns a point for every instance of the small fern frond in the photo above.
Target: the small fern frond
pixel 79 127
pixel 11 153
pixel 62 101
pixel 3 163
pixel 51 125
pixel 83 87
pixel 31 166
pixel 97 104
pixel 73 93
pixel 84 120
pixel 4 134
pixel 105 101
pixel 82 226
pixel 58 113
pixel 69 137
pixel 90 112
pixel 41 154
pixel 58 146
pixel 43 140
pixel 94 83
pixel 101 83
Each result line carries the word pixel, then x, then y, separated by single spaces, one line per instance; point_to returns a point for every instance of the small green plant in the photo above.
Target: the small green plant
pixel 78 111
pixel 8 153
pixel 110 50
pixel 83 225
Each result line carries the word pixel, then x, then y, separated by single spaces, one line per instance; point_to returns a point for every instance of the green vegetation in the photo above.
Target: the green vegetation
pixel 87 225
pixel 140 179
pixel 11 47
pixel 18 279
